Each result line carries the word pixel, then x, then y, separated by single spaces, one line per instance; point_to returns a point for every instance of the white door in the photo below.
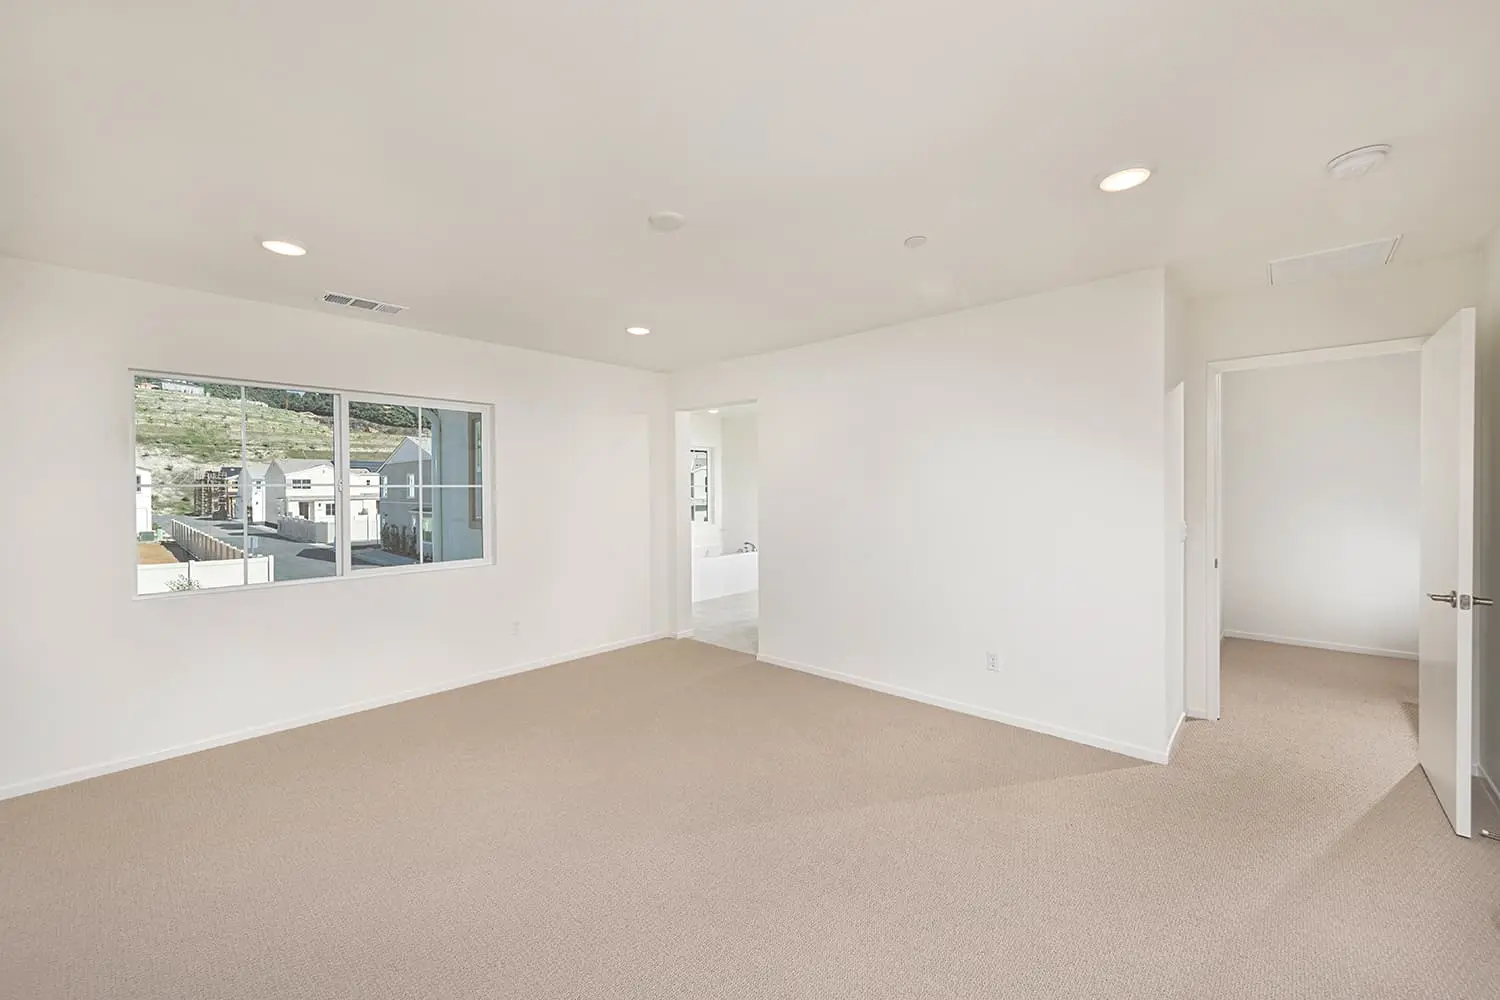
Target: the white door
pixel 1446 640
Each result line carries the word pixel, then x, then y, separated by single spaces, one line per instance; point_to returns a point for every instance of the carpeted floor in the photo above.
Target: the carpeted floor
pixel 677 820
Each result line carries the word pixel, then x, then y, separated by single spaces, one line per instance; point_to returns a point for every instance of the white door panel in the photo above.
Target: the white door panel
pixel 1446 638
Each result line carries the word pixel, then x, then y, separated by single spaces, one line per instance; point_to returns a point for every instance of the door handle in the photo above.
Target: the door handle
pixel 1450 598
pixel 1484 602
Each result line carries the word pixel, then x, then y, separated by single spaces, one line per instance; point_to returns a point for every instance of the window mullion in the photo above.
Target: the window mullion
pixel 343 536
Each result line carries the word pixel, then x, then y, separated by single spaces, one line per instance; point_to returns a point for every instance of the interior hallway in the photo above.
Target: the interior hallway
pixel 678 820
pixel 732 622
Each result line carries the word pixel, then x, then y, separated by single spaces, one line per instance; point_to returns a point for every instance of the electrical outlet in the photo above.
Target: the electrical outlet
pixel 992 661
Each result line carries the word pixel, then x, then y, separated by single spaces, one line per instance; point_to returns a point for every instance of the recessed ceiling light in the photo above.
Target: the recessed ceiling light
pixel 666 222
pixel 1357 162
pixel 284 248
pixel 912 242
pixel 714 410
pixel 637 331
pixel 1124 180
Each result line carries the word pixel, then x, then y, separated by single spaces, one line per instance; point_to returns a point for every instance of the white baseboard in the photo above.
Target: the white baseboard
pixel 686 633
pixel 1176 734
pixel 1088 739
pixel 1489 784
pixel 224 739
pixel 1337 647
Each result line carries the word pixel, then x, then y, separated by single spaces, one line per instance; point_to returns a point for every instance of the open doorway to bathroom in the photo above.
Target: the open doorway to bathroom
pixel 723 487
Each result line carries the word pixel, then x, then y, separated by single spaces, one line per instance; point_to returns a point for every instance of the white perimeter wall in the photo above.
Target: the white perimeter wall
pixel 1394 302
pixel 90 678
pixel 740 522
pixel 1322 518
pixel 1487 567
pixel 985 480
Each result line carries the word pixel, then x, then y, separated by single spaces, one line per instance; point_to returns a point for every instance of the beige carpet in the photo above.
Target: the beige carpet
pixel 676 820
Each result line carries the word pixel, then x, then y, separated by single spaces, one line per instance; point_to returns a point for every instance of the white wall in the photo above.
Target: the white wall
pixel 998 479
pixel 1175 505
pixel 1174 541
pixel 1487 567
pixel 1321 505
pixel 583 562
pixel 1394 302
pixel 740 475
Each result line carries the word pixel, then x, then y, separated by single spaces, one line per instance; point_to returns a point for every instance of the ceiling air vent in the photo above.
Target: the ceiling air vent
pixel 1327 263
pixel 367 305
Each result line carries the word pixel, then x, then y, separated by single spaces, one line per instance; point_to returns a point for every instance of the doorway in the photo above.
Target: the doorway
pixel 722 460
pixel 1355 525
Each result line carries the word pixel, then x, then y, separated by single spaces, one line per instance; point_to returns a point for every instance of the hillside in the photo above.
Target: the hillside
pixel 178 437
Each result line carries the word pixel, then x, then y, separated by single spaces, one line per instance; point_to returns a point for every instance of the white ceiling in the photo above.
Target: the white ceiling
pixel 490 164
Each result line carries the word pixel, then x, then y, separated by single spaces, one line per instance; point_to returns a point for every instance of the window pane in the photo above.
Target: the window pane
pixel 457 448
pixel 185 429
pixel 179 549
pixel 698 486
pixel 289 438
pixel 398 522
pixel 376 430
pixel 390 537
pixel 438 527
pixel 453 532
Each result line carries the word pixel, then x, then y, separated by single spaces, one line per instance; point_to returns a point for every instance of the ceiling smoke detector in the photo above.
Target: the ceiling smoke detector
pixel 665 222
pixel 362 304
pixel 1357 162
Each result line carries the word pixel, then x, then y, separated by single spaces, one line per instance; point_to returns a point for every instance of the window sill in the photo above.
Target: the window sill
pixel 371 572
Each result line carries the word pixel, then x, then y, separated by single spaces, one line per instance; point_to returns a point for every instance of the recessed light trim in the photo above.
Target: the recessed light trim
pixel 913 242
pixel 1124 180
pixel 284 247
pixel 637 331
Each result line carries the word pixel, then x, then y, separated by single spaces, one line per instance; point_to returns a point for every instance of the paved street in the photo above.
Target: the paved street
pixel 294 560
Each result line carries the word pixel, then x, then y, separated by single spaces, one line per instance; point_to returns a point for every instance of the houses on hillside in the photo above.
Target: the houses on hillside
pixel 403 508
pixel 249 488
pixel 304 489
pixel 143 522
pixel 422 502
pixel 429 490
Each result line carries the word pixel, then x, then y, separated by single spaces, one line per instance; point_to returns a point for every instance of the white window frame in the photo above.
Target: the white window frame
pixel 343 547
pixel 709 487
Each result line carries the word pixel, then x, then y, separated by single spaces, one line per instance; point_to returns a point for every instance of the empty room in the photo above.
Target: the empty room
pixel 1319 556
pixel 817 500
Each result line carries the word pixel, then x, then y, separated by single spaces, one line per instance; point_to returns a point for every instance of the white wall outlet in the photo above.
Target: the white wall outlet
pixel 992 661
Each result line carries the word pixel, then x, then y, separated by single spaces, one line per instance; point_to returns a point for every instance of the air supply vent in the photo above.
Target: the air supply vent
pixel 1327 263
pixel 364 305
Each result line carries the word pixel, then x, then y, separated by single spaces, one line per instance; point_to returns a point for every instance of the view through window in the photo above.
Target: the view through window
pixel 242 485
pixel 699 498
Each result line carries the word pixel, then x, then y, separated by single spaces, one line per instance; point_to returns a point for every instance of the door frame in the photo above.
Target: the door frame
pixel 682 532
pixel 1213 632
